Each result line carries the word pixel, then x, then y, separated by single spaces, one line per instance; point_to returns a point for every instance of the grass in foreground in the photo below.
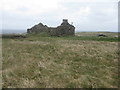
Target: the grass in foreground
pixel 67 62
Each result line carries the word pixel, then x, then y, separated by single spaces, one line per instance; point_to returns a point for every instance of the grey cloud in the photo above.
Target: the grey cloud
pixel 98 19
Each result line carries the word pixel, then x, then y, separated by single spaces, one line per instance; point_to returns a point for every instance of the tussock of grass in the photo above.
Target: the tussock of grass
pixel 55 62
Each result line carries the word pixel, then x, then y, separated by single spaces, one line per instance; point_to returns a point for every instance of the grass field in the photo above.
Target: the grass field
pixel 81 61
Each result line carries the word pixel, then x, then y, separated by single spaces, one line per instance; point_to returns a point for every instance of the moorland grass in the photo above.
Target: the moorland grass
pixel 40 61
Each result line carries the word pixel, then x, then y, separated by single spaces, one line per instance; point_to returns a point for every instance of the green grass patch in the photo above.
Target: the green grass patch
pixel 93 38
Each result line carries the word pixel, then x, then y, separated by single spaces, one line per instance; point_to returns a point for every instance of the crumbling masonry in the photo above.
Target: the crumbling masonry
pixel 64 29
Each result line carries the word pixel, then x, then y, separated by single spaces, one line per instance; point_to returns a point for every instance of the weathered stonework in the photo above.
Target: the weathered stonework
pixel 64 29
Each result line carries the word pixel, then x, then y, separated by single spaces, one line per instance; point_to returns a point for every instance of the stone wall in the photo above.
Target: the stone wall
pixel 64 29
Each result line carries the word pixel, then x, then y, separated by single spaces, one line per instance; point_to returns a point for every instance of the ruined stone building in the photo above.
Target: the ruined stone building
pixel 64 29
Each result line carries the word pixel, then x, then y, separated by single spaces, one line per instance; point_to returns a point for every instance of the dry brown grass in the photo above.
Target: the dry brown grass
pixel 59 63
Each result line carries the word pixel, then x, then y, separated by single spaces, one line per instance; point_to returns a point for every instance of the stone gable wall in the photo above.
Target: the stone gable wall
pixel 64 29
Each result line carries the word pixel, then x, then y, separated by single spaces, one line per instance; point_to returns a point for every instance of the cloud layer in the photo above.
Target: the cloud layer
pixel 86 16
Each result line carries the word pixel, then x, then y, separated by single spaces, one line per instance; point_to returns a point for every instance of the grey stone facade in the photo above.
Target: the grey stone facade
pixel 64 29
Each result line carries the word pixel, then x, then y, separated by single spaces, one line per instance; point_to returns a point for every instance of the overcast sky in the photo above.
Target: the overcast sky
pixel 86 15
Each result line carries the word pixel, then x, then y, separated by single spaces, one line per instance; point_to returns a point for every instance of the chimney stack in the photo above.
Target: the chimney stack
pixel 65 20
